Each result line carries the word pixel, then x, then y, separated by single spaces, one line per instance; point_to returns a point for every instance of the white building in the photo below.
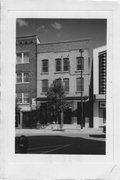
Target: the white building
pixel 63 60
pixel 99 86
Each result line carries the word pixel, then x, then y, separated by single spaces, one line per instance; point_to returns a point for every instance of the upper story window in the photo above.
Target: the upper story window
pixel 66 84
pixel 80 63
pixel 79 84
pixel 23 98
pixel 58 64
pixel 44 85
pixel 45 65
pixel 66 64
pixel 22 57
pixel 19 98
pixel 22 77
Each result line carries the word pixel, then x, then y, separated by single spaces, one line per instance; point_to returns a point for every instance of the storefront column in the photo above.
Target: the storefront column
pixel 96 115
pixel 21 118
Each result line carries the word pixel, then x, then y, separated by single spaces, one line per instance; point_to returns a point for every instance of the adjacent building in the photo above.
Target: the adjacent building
pixel 71 62
pixel 26 76
pixel 99 86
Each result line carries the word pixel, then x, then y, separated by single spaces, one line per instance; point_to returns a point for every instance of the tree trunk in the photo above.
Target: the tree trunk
pixel 61 122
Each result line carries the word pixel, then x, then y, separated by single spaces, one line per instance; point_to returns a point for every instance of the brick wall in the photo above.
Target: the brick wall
pixel 31 67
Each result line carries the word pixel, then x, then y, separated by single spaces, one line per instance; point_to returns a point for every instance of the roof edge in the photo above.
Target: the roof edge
pixel 66 41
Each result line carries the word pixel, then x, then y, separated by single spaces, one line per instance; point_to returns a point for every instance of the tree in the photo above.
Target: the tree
pixel 56 100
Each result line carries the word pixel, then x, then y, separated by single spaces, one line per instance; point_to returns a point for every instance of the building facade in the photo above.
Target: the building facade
pixel 99 86
pixel 70 61
pixel 26 76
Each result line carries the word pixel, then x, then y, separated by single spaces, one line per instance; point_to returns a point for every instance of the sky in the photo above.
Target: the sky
pixel 52 30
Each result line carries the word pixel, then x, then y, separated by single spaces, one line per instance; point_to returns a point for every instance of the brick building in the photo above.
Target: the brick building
pixel 99 86
pixel 65 60
pixel 26 75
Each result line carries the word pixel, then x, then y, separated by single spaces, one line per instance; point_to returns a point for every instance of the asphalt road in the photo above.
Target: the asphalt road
pixel 63 145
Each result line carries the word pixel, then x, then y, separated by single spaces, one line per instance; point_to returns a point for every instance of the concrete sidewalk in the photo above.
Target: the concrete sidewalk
pixel 88 133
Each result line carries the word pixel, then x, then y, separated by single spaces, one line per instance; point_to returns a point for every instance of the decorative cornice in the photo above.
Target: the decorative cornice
pixel 25 41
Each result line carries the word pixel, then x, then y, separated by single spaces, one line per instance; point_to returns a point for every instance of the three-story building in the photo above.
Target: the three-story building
pixel 70 61
pixel 26 75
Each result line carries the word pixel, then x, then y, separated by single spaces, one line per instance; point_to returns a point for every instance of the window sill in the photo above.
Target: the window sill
pixel 78 92
pixel 61 72
pixel 22 83
pixel 22 63
pixel 79 71
pixel 44 73
pixel 58 72
pixel 23 103
pixel 43 93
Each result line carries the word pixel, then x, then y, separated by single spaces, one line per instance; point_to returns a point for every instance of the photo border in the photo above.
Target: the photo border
pixel 72 167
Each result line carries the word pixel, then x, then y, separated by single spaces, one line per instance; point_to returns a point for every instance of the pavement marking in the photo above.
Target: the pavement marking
pixel 61 147
pixel 37 148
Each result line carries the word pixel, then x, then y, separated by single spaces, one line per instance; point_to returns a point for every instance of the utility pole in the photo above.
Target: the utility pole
pixel 81 51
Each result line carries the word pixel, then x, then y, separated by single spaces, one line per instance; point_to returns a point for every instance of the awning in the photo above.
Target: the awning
pixel 85 98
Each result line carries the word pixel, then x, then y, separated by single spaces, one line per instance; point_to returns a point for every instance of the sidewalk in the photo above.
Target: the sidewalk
pixel 71 131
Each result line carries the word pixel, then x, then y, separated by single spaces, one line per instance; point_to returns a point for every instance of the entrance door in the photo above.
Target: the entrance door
pixel 67 116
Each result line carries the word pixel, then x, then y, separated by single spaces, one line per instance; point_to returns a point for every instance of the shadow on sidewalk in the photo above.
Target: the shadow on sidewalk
pixel 98 135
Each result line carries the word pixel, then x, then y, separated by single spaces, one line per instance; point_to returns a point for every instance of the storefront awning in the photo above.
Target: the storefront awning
pixel 85 98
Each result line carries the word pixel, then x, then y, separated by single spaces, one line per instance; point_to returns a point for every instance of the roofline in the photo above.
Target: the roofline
pixel 66 41
pixel 26 36
pixel 104 47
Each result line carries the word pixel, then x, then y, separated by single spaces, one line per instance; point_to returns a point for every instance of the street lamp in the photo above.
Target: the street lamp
pixel 81 51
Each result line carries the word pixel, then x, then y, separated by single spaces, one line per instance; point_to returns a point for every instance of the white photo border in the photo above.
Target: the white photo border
pixel 57 166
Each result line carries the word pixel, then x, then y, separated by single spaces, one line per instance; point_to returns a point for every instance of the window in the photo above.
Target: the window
pixel 23 98
pixel 26 57
pixel 44 85
pixel 22 77
pixel 65 64
pixel 19 77
pixel 80 85
pixel 19 98
pixel 25 77
pixel 26 98
pixel 45 65
pixel 58 65
pixel 19 58
pixel 66 84
pixel 22 57
pixel 80 63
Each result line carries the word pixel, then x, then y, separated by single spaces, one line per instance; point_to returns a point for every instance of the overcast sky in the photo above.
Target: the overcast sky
pixel 50 30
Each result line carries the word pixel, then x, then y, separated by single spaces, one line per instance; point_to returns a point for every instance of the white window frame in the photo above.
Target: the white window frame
pixel 68 64
pixel 43 92
pixel 23 82
pixel 82 89
pixel 64 84
pixel 23 62
pixel 82 65
pixel 23 98
pixel 56 64
pixel 47 65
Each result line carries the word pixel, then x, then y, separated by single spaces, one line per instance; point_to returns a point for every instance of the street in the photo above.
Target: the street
pixel 58 144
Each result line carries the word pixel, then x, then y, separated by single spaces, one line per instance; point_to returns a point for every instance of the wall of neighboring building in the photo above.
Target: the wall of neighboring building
pixel 31 67
pixel 99 112
pixel 27 44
